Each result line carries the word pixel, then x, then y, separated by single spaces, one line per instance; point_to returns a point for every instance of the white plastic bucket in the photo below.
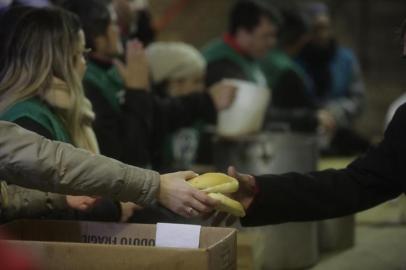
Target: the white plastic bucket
pixel 246 114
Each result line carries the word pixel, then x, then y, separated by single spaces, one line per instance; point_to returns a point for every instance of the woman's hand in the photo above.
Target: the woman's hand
pixel 180 197
pixel 135 71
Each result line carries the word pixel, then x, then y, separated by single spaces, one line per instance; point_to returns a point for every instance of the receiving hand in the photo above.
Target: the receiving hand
pixel 245 195
pixel 180 197
pixel 223 95
pixel 135 72
pixel 127 210
pixel 81 203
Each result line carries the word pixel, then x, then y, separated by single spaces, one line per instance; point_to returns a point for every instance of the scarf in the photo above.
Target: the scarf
pixel 59 98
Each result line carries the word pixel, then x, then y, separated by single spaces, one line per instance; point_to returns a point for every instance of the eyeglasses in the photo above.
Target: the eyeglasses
pixel 85 53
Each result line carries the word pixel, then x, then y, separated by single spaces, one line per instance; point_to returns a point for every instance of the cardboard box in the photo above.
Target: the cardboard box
pixel 71 245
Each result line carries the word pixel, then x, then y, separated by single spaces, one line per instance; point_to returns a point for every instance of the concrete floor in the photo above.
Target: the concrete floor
pixel 377 248
pixel 380 241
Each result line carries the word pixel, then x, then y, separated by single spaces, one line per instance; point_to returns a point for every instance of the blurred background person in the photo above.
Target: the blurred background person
pixel 178 69
pixel 119 103
pixel 251 33
pixel 288 82
pixel 336 85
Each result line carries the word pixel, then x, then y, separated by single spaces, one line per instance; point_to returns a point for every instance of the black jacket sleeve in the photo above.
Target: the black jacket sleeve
pixel 134 134
pixel 122 135
pixel 223 69
pixel 170 114
pixel 376 177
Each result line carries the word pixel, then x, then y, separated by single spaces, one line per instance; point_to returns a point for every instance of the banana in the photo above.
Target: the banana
pixel 228 205
pixel 217 184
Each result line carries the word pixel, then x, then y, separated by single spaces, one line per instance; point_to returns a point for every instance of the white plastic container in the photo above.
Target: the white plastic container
pixel 246 114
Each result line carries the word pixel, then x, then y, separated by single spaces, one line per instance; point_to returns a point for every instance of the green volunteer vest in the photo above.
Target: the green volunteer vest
pixel 181 147
pixel 39 112
pixel 219 50
pixel 275 64
pixel 109 82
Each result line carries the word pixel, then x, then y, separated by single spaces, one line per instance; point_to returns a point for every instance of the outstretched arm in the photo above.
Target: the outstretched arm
pixel 372 179
pixel 31 161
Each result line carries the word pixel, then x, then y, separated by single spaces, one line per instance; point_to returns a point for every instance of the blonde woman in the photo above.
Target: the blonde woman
pixel 42 55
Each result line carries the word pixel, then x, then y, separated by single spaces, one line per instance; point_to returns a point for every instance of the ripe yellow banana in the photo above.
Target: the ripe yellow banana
pixel 228 205
pixel 215 184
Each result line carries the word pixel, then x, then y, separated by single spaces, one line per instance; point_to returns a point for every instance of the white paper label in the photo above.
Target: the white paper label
pixel 177 235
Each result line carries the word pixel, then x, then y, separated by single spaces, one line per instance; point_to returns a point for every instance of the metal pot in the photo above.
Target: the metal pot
pixel 337 234
pixel 267 153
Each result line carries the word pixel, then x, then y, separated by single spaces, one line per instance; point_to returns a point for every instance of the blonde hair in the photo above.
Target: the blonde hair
pixel 41 45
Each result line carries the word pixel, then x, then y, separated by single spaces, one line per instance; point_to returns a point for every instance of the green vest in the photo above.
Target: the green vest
pixel 39 112
pixel 219 50
pixel 181 147
pixel 109 82
pixel 276 63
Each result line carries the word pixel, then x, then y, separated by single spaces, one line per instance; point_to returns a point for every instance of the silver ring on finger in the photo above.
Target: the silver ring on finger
pixel 191 211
